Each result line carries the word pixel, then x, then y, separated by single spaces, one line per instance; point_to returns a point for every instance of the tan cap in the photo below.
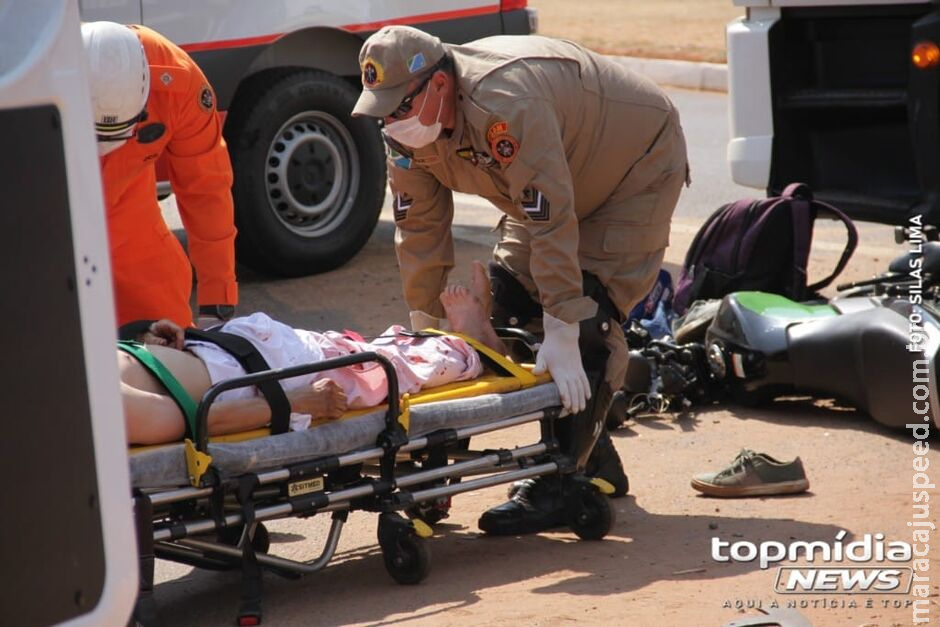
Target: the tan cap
pixel 389 60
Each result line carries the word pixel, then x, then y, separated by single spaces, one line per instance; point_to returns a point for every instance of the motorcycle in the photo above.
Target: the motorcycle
pixel 873 346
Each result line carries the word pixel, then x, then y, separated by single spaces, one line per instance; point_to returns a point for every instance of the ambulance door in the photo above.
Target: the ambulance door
pixel 67 548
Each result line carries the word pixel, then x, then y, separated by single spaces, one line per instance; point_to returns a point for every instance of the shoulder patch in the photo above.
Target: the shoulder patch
pixel 398 160
pixel 535 205
pixel 401 161
pixel 504 148
pixel 206 99
pixel 497 129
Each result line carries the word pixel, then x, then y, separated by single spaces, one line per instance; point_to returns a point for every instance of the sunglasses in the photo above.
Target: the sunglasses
pixel 407 102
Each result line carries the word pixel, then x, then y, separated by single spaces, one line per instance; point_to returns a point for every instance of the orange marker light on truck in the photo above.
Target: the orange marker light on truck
pixel 925 55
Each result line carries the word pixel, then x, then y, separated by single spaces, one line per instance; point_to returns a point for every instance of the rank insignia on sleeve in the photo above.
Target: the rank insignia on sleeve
pixel 206 99
pixel 535 204
pixel 504 148
pixel 400 206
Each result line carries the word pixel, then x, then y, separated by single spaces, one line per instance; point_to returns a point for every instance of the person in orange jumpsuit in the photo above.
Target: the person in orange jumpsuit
pixel 150 101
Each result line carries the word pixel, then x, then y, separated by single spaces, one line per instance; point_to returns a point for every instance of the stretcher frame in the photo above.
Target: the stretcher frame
pixel 174 523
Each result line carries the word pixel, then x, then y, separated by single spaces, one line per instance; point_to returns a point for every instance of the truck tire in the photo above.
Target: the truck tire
pixel 309 179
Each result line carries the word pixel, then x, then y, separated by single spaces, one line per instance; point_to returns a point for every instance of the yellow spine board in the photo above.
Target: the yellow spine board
pixel 404 417
pixel 518 372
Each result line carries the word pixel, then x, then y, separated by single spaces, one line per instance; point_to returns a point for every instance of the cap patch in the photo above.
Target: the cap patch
pixel 417 62
pixel 500 128
pixel 504 148
pixel 372 73
pixel 206 99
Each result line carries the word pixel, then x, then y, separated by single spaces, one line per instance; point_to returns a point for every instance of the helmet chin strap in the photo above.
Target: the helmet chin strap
pixel 110 136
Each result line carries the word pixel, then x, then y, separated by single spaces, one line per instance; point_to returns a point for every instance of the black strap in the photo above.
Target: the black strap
pixel 252 361
pixel 132 331
pixel 594 289
pixel 249 608
pixel 800 191
pixel 850 244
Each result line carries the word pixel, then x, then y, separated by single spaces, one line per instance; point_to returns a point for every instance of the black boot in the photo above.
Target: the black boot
pixel 604 463
pixel 535 506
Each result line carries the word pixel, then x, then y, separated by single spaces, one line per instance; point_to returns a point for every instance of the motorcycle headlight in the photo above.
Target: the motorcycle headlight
pixel 716 361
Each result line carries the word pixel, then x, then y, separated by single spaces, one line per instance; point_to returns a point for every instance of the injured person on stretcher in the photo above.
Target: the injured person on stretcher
pixel 154 414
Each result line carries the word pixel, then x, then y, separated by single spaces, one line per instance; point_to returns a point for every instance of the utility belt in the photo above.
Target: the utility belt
pixel 244 352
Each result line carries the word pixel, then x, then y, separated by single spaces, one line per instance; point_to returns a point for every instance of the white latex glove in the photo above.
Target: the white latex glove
pixel 559 355
pixel 421 320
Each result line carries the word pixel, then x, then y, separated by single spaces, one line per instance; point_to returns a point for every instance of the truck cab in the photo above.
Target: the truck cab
pixel 841 95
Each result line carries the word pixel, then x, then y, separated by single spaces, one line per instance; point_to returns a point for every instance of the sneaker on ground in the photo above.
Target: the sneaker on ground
pixel 754 474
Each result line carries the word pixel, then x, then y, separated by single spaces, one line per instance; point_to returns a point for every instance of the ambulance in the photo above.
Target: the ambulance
pixel 309 179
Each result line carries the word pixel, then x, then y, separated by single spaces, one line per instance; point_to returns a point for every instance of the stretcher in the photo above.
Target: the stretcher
pixel 203 502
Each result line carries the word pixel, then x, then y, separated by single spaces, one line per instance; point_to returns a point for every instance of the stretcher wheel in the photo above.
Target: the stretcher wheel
pixel 431 512
pixel 594 518
pixel 407 560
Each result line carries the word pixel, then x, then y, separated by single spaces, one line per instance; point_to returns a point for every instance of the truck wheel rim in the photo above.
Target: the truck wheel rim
pixel 312 173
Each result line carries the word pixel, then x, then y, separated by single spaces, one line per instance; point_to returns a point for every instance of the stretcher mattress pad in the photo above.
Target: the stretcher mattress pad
pixel 165 466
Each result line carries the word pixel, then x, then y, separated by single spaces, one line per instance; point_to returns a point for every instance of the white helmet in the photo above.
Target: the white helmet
pixel 120 80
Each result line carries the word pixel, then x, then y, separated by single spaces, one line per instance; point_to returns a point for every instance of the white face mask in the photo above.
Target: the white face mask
pixel 412 133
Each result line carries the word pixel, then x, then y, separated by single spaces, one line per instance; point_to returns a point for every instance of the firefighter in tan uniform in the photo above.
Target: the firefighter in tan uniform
pixel 584 157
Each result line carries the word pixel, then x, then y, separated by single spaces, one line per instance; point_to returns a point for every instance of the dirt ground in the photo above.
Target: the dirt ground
pixel 674 29
pixel 655 568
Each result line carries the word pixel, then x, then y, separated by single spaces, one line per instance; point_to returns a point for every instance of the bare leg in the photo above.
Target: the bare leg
pixel 468 310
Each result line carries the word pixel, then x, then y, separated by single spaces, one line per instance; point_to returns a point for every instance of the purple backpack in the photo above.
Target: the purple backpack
pixel 761 245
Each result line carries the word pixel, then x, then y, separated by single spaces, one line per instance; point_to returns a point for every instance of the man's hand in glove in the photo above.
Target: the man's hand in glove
pixel 559 355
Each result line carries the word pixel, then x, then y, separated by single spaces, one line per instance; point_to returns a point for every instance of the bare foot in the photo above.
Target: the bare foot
pixel 480 288
pixel 467 310
pixel 464 311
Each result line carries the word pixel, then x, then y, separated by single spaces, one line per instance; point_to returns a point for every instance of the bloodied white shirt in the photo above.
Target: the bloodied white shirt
pixel 420 362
